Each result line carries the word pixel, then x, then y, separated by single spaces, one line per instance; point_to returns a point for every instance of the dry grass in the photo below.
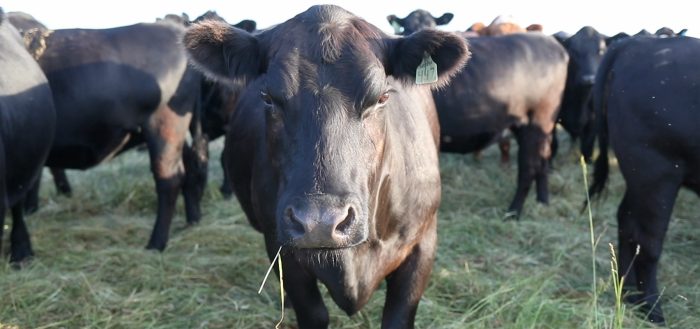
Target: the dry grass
pixel 91 269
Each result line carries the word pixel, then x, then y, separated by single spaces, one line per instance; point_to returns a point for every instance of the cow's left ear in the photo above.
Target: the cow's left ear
pixel 447 50
pixel 444 19
pixel 223 52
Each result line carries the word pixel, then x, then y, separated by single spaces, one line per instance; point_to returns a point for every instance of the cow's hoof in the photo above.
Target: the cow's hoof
pixel 156 246
pixel 511 215
pixel 20 259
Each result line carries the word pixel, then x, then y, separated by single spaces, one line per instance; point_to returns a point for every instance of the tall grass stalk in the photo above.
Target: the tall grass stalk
pixel 593 243
pixel 618 282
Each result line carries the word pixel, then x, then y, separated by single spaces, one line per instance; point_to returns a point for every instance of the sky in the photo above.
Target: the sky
pixel 607 16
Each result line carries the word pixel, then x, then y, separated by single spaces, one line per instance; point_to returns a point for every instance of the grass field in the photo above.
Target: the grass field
pixel 91 269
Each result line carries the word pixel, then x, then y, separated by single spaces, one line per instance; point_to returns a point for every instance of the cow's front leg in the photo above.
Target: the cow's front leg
pixel 165 137
pixel 196 161
pixel 61 181
pixel 406 284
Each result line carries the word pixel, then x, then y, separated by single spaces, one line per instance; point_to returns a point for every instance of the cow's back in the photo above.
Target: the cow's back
pixel 107 83
pixel 506 77
pixel 652 98
pixel 27 117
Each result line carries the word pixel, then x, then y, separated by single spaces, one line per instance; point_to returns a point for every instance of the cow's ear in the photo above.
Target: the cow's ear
pixel 396 23
pixel 447 50
pixel 562 37
pixel 222 52
pixel 247 24
pixel 393 19
pixel 444 19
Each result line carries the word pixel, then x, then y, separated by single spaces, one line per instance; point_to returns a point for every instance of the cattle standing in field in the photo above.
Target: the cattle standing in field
pixel 216 101
pixel 512 82
pixel 332 152
pixel 116 88
pixel 586 49
pixel 646 93
pixel 27 123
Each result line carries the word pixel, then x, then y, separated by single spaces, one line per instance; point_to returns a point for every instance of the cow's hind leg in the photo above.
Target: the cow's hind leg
pixel 31 201
pixel 3 199
pixel 643 220
pixel 20 245
pixel 532 165
pixel 165 136
pixel 226 188
pixel 406 284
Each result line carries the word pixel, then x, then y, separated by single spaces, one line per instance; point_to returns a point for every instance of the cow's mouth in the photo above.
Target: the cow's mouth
pixel 322 256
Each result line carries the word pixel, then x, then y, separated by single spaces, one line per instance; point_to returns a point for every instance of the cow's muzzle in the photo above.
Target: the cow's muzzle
pixel 320 225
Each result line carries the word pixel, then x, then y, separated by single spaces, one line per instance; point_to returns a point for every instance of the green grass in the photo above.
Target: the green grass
pixel 91 269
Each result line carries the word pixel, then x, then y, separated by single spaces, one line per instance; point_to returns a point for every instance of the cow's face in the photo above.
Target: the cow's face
pixel 586 49
pixel 323 80
pixel 416 21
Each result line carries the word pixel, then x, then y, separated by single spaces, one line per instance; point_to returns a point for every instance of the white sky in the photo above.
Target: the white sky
pixel 608 17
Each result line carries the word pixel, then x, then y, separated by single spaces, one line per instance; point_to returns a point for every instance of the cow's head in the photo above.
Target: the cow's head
pixel 586 49
pixel 323 81
pixel 416 21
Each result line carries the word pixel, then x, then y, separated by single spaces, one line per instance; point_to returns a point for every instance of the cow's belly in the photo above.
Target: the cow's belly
pixel 456 143
pixel 88 152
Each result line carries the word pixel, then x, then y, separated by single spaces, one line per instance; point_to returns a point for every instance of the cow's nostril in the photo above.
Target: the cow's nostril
pixel 344 226
pixel 295 225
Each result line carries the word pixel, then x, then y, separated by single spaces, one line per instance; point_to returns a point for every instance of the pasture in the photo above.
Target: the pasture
pixel 91 269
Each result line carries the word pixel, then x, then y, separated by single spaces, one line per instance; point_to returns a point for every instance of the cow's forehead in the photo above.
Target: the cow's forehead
pixel 355 78
pixel 308 53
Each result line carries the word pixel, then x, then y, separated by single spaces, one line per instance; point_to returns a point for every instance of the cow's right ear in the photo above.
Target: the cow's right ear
pixel 444 19
pixel 222 52
pixel 448 51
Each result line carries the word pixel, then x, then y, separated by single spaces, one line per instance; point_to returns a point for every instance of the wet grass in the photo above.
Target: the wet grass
pixel 91 269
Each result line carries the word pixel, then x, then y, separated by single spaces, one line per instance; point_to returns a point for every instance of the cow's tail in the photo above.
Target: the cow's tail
pixel 601 167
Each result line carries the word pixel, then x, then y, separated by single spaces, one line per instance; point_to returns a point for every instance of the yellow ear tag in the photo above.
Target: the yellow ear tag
pixel 397 27
pixel 426 71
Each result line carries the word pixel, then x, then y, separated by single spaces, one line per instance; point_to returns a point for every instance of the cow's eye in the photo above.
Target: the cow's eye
pixel 266 98
pixel 383 98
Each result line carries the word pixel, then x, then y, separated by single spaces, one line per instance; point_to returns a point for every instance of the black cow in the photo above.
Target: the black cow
pixel 513 81
pixel 417 20
pixel 217 102
pixel 27 124
pixel 333 154
pixel 116 88
pixel 586 48
pixel 647 94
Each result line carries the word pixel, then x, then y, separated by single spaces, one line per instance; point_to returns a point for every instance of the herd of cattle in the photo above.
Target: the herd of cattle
pixel 333 130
